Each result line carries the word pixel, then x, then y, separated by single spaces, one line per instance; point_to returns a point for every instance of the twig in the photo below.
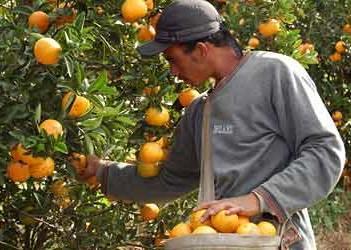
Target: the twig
pixel 8 245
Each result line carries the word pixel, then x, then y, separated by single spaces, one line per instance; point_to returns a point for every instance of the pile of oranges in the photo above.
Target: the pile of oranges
pixel 222 223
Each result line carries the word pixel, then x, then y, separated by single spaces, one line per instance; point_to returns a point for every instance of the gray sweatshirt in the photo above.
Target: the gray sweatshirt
pixel 270 133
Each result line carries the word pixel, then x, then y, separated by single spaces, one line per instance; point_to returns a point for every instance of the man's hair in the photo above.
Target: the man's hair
pixel 221 38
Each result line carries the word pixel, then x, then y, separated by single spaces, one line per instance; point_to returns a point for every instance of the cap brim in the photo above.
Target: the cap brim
pixel 152 48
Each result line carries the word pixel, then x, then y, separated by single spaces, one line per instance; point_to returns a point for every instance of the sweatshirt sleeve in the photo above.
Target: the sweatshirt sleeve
pixel 311 135
pixel 178 176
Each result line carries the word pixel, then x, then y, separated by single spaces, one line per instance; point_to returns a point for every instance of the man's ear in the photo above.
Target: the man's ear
pixel 201 50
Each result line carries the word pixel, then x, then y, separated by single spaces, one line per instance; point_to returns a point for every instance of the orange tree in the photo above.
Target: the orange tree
pixel 72 84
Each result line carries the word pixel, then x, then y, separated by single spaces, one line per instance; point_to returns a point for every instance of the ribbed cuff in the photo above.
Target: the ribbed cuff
pixel 270 204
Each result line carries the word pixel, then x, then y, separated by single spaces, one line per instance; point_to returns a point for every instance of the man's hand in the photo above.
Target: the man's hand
pixel 247 205
pixel 93 163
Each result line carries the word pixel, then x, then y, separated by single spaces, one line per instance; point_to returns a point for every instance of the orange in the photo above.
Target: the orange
pixel 156 117
pixel 59 189
pixel 39 20
pixel 253 42
pixel 47 51
pixel 52 127
pixel 267 228
pixel 187 96
pixel 149 4
pixel 225 223
pixel 43 169
pixel 165 154
pixel 347 28
pixel 269 28
pixel 79 162
pixel 146 33
pixel 65 14
pixel 147 170
pixel 180 229
pixel 150 152
pixel 335 57
pixel 149 211
pixel 306 48
pixel 163 142
pixel 17 171
pixel 243 219
pixel 151 90
pixel 248 228
pixel 204 230
pixel 154 19
pixel 100 10
pixel 195 219
pixel 64 202
pixel 19 153
pixel 132 10
pixel 79 107
pixel 337 115
pixel 340 47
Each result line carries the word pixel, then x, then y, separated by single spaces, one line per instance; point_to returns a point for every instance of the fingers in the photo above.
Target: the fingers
pixel 219 206
pixel 93 163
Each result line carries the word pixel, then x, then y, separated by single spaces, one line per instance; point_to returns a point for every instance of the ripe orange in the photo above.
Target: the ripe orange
pixel 65 14
pixel 79 162
pixel 269 28
pixel 150 152
pixel 253 42
pixel 39 20
pixel 146 33
pixel 187 96
pixel 147 170
pixel 79 107
pixel 243 219
pixel 47 51
pixel 163 142
pixel 17 171
pixel 149 4
pixel 132 10
pixel 267 228
pixel 149 211
pixel 180 229
pixel 59 189
pixel 306 48
pixel 52 127
pixel 204 229
pixel 43 169
pixel 337 115
pixel 155 117
pixel 335 57
pixel 225 223
pixel 19 153
pixel 347 28
pixel 195 219
pixel 340 47
pixel 151 90
pixel 248 228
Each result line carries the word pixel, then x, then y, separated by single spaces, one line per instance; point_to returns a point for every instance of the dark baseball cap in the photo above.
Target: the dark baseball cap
pixel 183 21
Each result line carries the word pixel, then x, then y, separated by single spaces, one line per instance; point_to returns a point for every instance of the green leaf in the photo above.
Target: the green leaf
pixel 79 22
pixel 61 147
pixel 92 123
pixel 80 75
pixel 88 145
pixel 99 83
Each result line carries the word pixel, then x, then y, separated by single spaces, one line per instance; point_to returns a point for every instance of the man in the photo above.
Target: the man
pixel 269 140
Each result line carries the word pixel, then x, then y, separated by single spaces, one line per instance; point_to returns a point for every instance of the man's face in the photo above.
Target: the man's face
pixel 187 66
